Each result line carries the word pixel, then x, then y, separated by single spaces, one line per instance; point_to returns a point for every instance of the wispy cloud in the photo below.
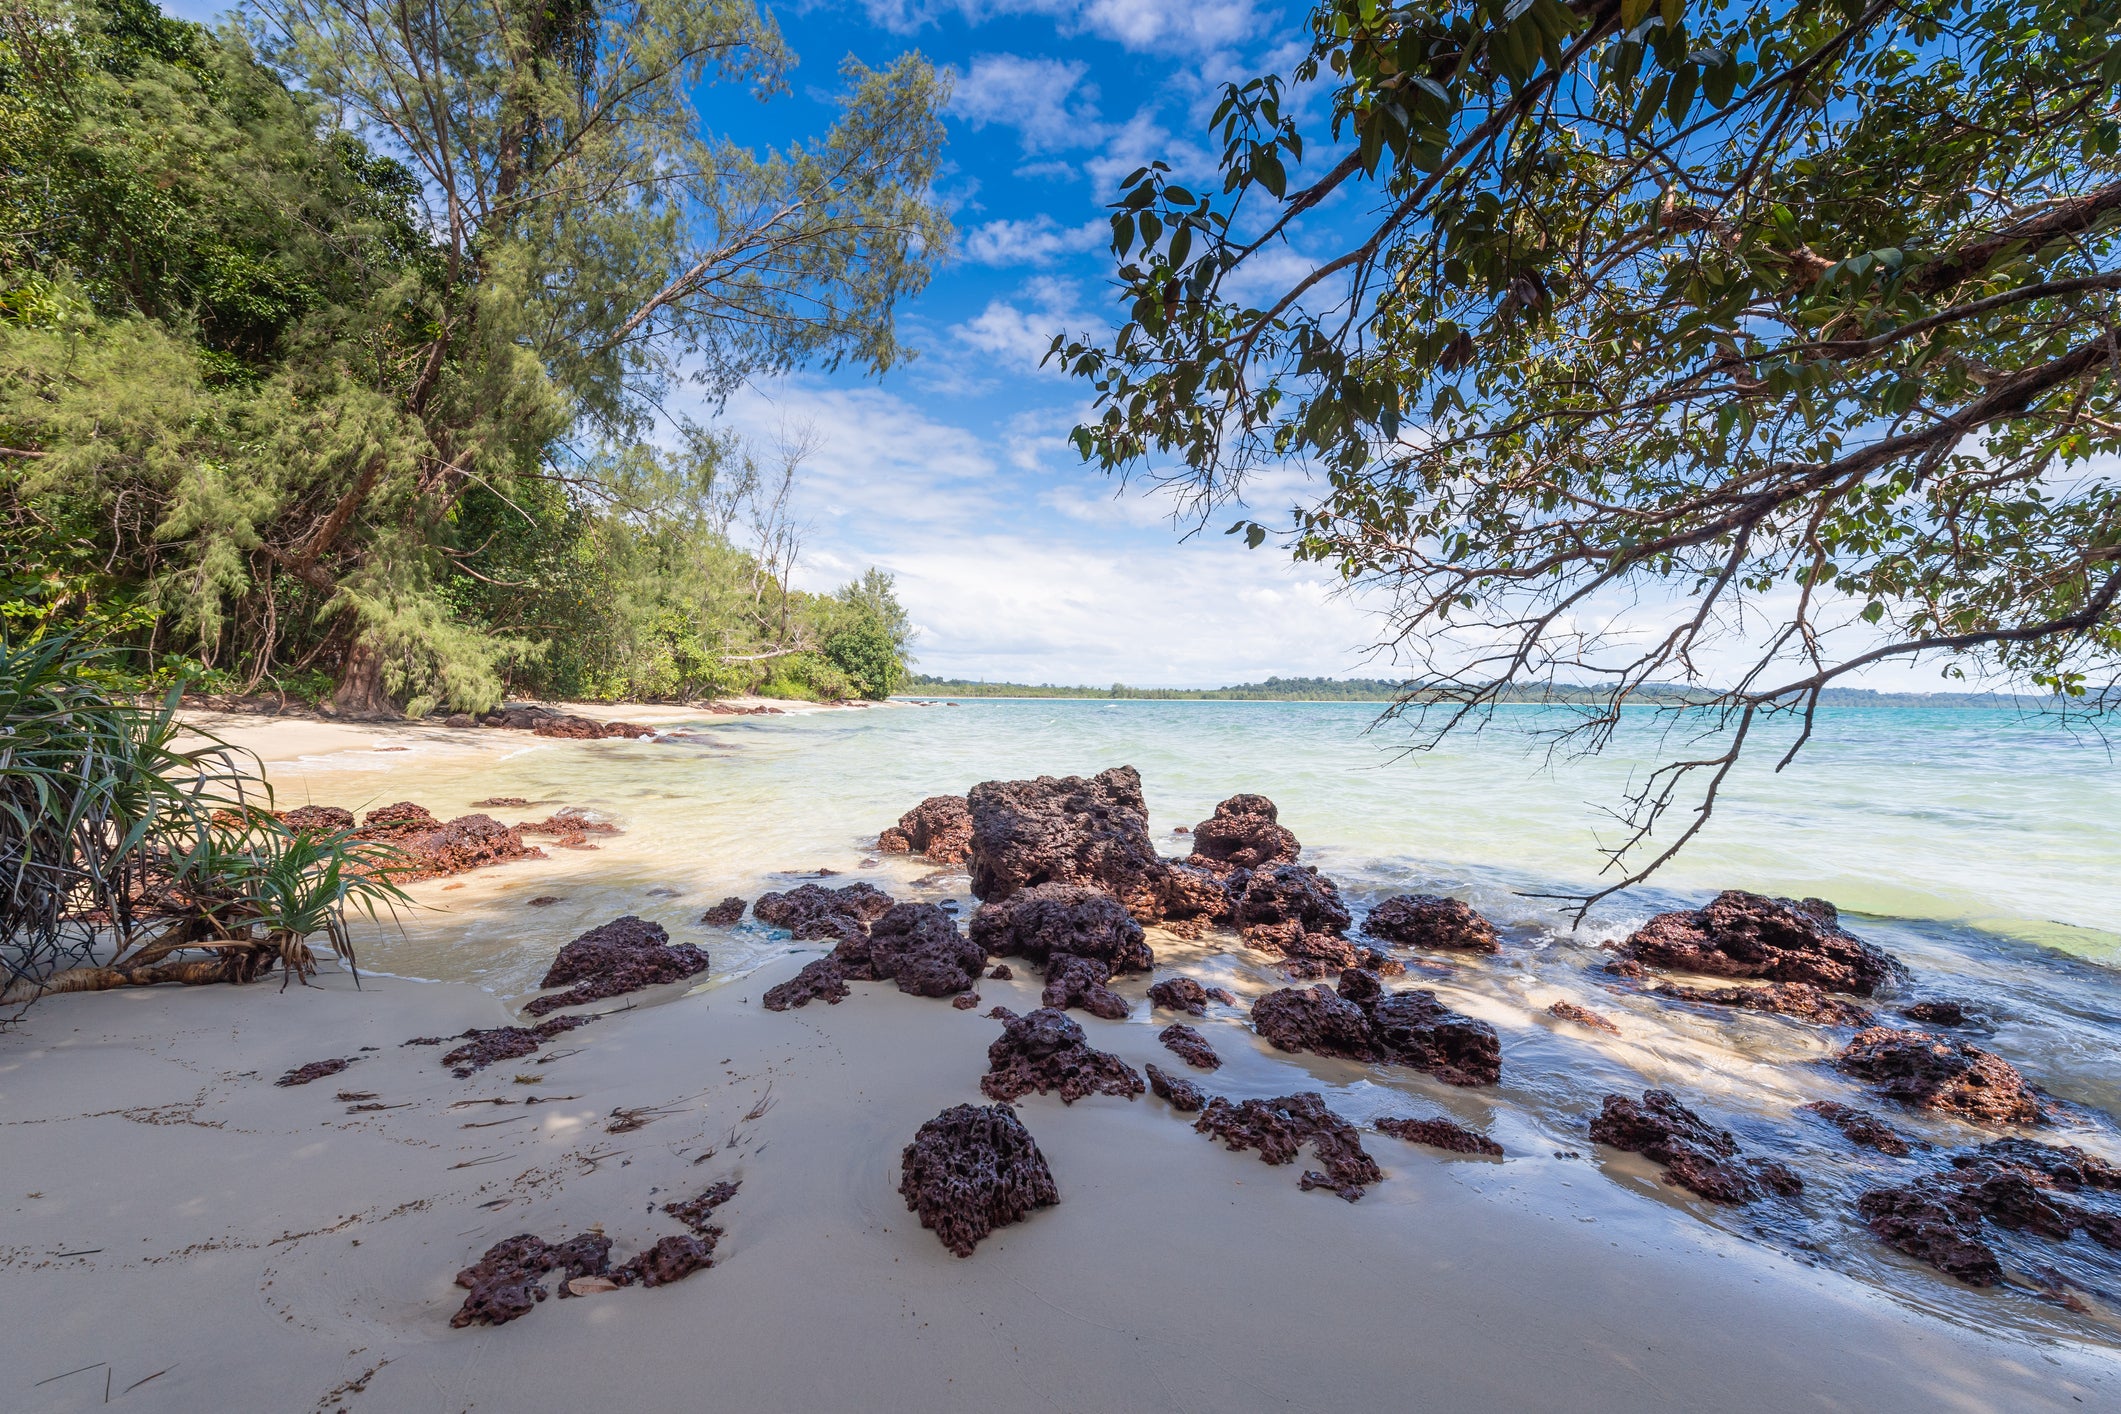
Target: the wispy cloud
pixel 1017 332
pixel 1045 100
pixel 1137 25
pixel 1037 241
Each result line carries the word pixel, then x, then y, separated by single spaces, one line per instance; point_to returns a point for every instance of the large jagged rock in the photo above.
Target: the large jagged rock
pixel 1185 994
pixel 2011 1182
pixel 1431 921
pixel 917 945
pixel 623 955
pixel 1773 939
pixel 1076 919
pixel 1800 1000
pixel 1196 898
pixel 1046 1051
pixel 1068 830
pixel 1279 1128
pixel 1282 894
pixel 1695 1153
pixel 972 1169
pixel 1073 981
pixel 813 911
pixel 939 828
pixel 1938 1073
pixel 1244 833
pixel 1361 1021
pixel 433 849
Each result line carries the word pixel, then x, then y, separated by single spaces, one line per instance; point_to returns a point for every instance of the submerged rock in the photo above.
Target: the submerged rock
pixel 1244 833
pixel 1773 939
pixel 1793 999
pixel 2066 1166
pixel 1936 1013
pixel 1191 1047
pixel 1938 1218
pixel 1073 981
pixel 1279 1128
pixel 972 1169
pixel 1431 921
pixel 1361 1021
pixel 1067 830
pixel 1862 1127
pixel 1582 1016
pixel 1046 1051
pixel 1937 1073
pixel 1181 1094
pixel 812 911
pixel 621 956
pixel 917 945
pixel 940 828
pixel 1185 994
pixel 1696 1154
pixel 1441 1133
pixel 729 911
pixel 1044 919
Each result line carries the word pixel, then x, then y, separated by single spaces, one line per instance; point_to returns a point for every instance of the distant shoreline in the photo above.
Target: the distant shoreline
pixel 1833 697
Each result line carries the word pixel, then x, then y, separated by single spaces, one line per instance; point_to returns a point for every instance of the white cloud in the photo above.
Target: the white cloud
pixel 1045 100
pixel 1018 334
pixel 1037 241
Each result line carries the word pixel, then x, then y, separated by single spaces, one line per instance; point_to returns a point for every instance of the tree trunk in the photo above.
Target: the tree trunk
pixel 360 694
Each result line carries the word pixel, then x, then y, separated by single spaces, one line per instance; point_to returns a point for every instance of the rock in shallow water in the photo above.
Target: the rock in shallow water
pixel 813 912
pixel 1363 1022
pixel 1244 833
pixel 1076 919
pixel 621 956
pixel 1441 1133
pixel 1279 1128
pixel 1067 830
pixel 1190 1046
pixel 1793 999
pixel 1773 939
pixel 940 828
pixel 1696 1154
pixel 1180 1093
pixel 1938 1218
pixel 1185 994
pixel 1937 1073
pixel 1431 921
pixel 972 1169
pixel 1862 1127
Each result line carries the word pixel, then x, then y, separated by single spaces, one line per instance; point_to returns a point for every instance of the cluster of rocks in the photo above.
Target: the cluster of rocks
pixel 1696 1155
pixel 1279 1128
pixel 547 721
pixel 813 912
pixel 1047 1051
pixel 1082 937
pixel 2011 1183
pixel 570 828
pixel 621 956
pixel 972 1169
pixel 916 945
pixel 424 847
pixel 509 1278
pixel 1362 1021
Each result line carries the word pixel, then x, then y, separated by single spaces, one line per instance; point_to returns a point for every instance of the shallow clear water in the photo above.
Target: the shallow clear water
pixel 1983 848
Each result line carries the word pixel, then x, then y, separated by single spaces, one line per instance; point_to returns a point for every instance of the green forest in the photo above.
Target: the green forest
pixel 317 379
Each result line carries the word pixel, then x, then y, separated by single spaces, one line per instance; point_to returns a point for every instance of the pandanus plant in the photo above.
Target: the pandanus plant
pixel 135 851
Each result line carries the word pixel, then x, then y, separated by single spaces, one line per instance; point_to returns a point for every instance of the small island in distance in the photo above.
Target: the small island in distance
pixel 1313 689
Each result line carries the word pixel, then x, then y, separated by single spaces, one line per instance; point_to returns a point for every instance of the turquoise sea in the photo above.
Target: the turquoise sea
pixel 1981 847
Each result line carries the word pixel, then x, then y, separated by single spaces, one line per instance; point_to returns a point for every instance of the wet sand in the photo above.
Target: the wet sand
pixel 265 1249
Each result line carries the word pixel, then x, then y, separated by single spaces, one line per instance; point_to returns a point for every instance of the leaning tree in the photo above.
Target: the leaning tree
pixel 1680 354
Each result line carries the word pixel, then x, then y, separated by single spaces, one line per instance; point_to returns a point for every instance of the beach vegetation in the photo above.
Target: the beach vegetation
pixel 1741 346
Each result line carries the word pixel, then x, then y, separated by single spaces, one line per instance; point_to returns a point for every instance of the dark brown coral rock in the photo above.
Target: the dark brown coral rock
pixel 1046 1051
pixel 431 849
pixel 1937 1073
pixel 671 1259
pixel 1244 833
pixel 317 819
pixel 1936 1013
pixel 1191 1047
pixel 1185 994
pixel 1775 940
pixel 1001 973
pixel 1935 1225
pixel 1441 1133
pixel 1862 1127
pixel 1938 1218
pixel 1431 921
pixel 1314 1019
pixel 917 945
pixel 1044 919
pixel 482 1048
pixel 1793 999
pixel 509 1278
pixel 1281 894
pixel 621 956
pixel 1179 1093
pixel 1073 981
pixel 940 827
pixel 697 1213
pixel 1362 1021
pixel 729 911
pixel 972 1169
pixel 1196 897
pixel 1695 1154
pixel 1279 1128
pixel 813 911
pixel 1067 830
pixel 824 980
pixel 2066 1166
pixel 571 823
pixel 965 1001
pixel 1582 1016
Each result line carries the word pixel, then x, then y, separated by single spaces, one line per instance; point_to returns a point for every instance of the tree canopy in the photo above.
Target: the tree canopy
pixel 1640 342
pixel 341 344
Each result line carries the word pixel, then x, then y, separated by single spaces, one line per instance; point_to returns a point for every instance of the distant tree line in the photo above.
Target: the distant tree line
pixel 1388 690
